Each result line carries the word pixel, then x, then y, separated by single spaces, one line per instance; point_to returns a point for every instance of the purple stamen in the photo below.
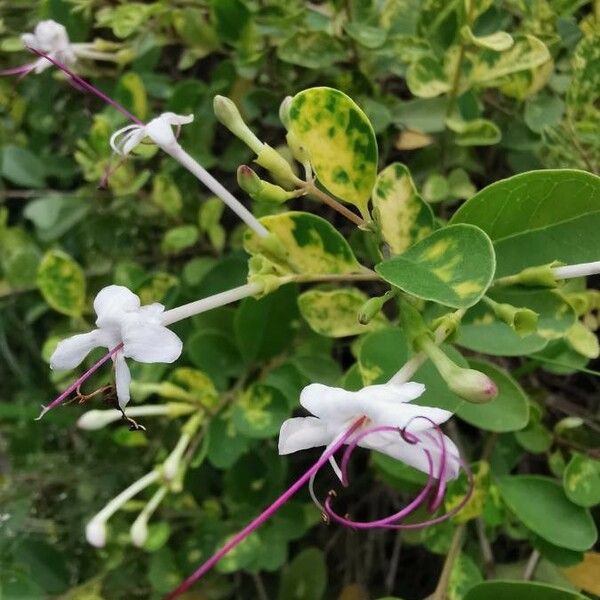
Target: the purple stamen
pixel 88 87
pixel 79 381
pixel 265 515
pixel 22 70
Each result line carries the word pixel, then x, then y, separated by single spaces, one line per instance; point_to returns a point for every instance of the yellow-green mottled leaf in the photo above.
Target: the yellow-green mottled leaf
pixel 334 313
pixel 340 141
pixel 477 132
pixel 260 411
pixel 426 77
pixel 581 480
pixel 131 85
pixel 307 244
pixel 465 574
pixel 498 41
pixel 402 215
pixel 62 283
pixel 452 266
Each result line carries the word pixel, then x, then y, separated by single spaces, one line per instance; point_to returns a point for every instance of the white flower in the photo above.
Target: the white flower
pixel 51 38
pixel 383 405
pixel 95 533
pixel 121 319
pixel 159 130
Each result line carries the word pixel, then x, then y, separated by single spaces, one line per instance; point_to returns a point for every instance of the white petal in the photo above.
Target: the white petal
pixel 402 414
pixel 111 302
pixel 132 140
pixel 414 455
pixel 391 392
pixel 175 119
pixel 330 403
pixel 150 343
pixel 29 40
pixel 301 433
pixel 117 146
pixel 71 351
pixel 122 379
pixel 160 131
pixel 152 312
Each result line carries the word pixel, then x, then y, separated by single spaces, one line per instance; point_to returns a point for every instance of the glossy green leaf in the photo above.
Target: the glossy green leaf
pixel 312 245
pixel 21 167
pixel 482 331
pixel 581 480
pixel 340 142
pixel 401 214
pixel 305 578
pixel 453 266
pixel 62 283
pixel 334 313
pixel 259 411
pixel 541 504
pixel 520 590
pixel 508 411
pixel 382 353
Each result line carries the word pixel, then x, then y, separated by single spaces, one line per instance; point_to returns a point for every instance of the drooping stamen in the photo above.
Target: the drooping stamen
pixel 73 387
pixel 88 87
pixel 22 70
pixel 265 515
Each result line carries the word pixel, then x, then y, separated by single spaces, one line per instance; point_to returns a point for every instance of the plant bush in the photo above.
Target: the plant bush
pixel 425 178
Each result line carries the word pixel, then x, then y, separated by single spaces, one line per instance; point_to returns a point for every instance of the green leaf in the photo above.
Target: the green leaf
pixel 541 504
pixel 340 142
pixel 263 328
pixel 54 215
pixel 179 238
pixel 366 35
pixel 482 331
pixel 225 445
pixel 464 576
pixel 312 49
pixel 215 354
pixel 543 110
pixel 508 411
pixel 62 283
pixel 132 93
pixel 305 578
pixel 312 245
pixel 401 214
pixel 477 132
pixel 22 167
pixel 382 353
pixel 166 195
pixel 520 590
pixel 260 411
pixel 334 313
pixel 426 78
pixel 453 266
pixel 581 480
pixel 498 41
pixel 533 223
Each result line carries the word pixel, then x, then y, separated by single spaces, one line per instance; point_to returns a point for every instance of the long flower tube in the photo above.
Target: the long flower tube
pixel 159 130
pixel 266 514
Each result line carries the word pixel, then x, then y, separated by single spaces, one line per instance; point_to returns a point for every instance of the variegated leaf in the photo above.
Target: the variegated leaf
pixel 477 132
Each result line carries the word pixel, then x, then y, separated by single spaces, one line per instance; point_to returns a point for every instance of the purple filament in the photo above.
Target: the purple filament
pixel 73 387
pixel 22 70
pixel 266 514
pixel 88 87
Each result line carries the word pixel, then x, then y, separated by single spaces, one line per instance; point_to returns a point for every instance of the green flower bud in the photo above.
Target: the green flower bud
pixel 270 159
pixel 523 320
pixel 262 191
pixel 371 308
pixel 469 384
pixel 228 114
pixel 541 276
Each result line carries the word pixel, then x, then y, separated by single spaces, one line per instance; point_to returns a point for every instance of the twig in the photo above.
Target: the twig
pixel 312 190
pixel 390 579
pixel 455 548
pixel 489 563
pixel 531 565
pixel 260 587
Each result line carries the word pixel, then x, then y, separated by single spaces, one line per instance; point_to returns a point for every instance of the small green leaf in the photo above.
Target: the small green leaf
pixel 260 411
pixel 401 214
pixel 541 504
pixel 498 41
pixel 21 167
pixel 179 238
pixel 520 590
pixel 477 132
pixel 311 245
pixel 305 578
pixel 508 411
pixel 340 142
pixel 334 313
pixel 62 283
pixel 312 49
pixel 581 480
pixel 166 195
pixel 453 266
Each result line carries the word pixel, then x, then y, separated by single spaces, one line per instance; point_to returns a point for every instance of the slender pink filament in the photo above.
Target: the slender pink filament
pixel 80 380
pixel 87 86
pixel 265 515
pixel 22 70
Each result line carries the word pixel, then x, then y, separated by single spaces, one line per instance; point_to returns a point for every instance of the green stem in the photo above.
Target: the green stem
pixel 453 553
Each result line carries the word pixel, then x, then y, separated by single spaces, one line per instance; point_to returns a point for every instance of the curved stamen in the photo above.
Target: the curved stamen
pixel 22 70
pixel 73 387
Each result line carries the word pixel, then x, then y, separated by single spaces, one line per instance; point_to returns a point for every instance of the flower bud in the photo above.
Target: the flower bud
pixel 139 531
pixel 260 190
pixel 371 308
pixel 469 384
pixel 228 114
pixel 95 533
pixel 279 167
pixel 97 419
pixel 523 320
pixel 541 276
pixel 284 111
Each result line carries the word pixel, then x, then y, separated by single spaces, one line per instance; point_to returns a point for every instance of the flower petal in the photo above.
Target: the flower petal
pixel 175 119
pixel 301 433
pixel 402 414
pixel 394 445
pixel 111 302
pixel 122 379
pixel 150 343
pixel 72 350
pixel 132 140
pixel 391 392
pixel 330 403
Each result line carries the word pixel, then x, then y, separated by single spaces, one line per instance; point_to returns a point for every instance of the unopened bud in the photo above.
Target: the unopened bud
pixel 228 114
pixel 97 419
pixel 541 276
pixel 139 531
pixel 95 533
pixel 372 307
pixel 284 111
pixel 469 384
pixel 523 320
pixel 278 166
pixel 262 191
